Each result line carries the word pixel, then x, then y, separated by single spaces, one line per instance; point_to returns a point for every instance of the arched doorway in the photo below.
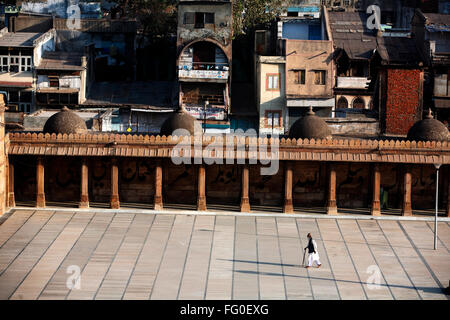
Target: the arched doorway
pixel 342 103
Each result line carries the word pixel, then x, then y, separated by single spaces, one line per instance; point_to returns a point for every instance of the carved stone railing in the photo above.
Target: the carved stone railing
pixel 216 147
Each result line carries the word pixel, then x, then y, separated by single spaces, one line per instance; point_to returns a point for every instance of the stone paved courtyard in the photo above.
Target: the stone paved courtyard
pixel 167 256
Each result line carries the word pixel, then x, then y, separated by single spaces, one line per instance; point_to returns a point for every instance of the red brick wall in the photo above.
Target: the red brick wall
pixel 402 101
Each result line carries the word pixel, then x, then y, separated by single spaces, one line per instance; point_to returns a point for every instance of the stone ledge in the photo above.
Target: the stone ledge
pixel 238 214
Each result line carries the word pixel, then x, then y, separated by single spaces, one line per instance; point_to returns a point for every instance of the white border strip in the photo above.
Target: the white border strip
pixel 238 214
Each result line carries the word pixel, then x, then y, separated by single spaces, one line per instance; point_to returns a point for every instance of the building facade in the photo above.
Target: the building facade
pixel 432 34
pixel 271 99
pixel 64 78
pixel 204 45
pixel 354 45
pixel 298 77
pixel 309 77
pixel 401 80
pixel 20 53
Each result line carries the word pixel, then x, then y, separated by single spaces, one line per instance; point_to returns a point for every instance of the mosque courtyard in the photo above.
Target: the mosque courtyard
pixel 126 254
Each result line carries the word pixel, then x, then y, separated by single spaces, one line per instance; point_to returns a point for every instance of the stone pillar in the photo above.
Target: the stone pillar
pixel 201 199
pixel 288 177
pixel 6 195
pixel 376 210
pixel 448 191
pixel 407 188
pixel 11 197
pixel 84 197
pixel 158 203
pixel 115 203
pixel 3 159
pixel 331 204
pixel 40 183
pixel 245 202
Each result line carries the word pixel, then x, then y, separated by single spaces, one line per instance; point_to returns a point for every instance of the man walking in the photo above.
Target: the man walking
pixel 313 253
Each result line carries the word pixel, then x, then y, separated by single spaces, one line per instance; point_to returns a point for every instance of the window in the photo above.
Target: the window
pixel 319 77
pixel 358 69
pixel 22 99
pixel 442 84
pixel 273 119
pixel 54 81
pixel 25 64
pixel 299 76
pixel 358 103
pixel 25 96
pixel 13 63
pixel 209 18
pixel 189 17
pixel 4 64
pixel 199 19
pixel 13 97
pixel 273 82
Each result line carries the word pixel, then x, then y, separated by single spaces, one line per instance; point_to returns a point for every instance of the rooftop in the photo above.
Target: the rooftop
pixel 437 19
pixel 36 120
pixel 19 39
pixel 151 95
pixel 434 22
pixel 398 51
pixel 85 114
pixel 60 61
pixel 350 33
pixel 23 79
pixel 99 25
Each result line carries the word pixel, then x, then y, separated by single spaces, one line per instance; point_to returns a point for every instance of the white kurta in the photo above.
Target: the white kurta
pixel 314 257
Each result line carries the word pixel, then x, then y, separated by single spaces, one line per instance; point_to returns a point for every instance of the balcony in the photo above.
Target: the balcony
pixel 204 70
pixel 352 83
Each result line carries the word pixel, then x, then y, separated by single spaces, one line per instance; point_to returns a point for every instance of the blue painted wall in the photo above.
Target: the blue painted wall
pixel 303 30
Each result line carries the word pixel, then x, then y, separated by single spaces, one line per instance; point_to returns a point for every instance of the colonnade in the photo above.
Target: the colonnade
pixel 331 203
